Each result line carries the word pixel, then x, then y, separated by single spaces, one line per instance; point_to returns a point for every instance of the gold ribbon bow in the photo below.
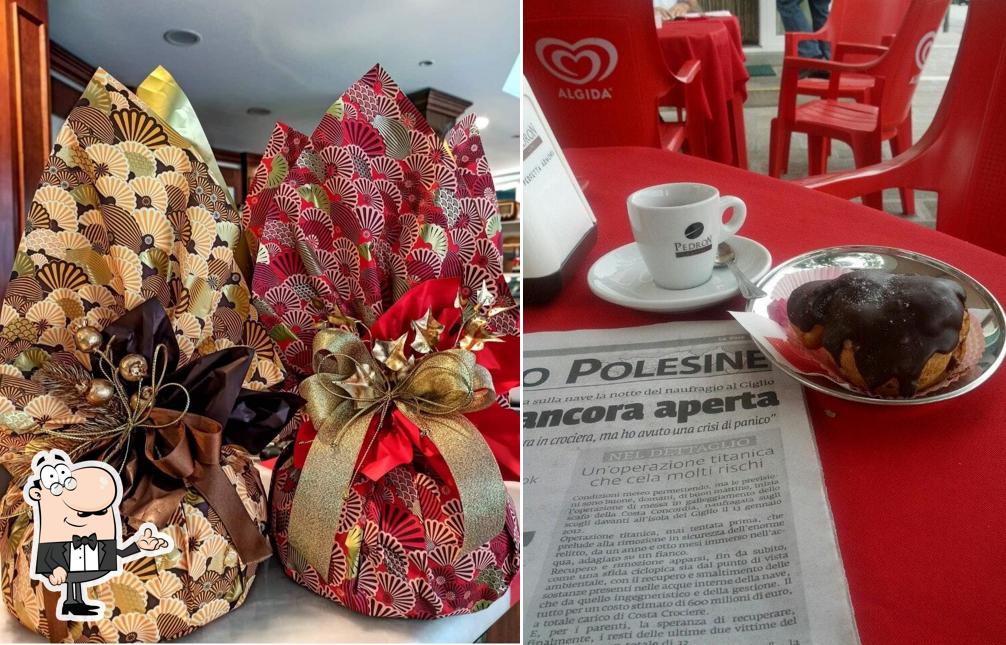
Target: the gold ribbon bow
pixel 343 396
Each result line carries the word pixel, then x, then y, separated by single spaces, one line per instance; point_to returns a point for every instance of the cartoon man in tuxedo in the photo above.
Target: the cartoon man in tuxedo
pixel 77 527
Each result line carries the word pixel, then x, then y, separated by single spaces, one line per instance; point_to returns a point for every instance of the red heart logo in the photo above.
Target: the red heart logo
pixel 586 60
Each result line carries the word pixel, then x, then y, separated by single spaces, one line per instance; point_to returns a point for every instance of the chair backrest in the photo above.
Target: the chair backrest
pixel 906 57
pixel 963 154
pixel 865 21
pixel 596 70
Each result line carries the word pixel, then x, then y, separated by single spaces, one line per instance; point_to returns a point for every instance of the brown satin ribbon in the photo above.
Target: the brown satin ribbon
pixel 188 452
pixel 57 627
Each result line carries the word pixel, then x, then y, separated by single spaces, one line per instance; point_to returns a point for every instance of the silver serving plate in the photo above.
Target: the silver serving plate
pixel 895 261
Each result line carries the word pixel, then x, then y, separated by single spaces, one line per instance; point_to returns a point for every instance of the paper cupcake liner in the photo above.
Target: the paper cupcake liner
pixel 776 332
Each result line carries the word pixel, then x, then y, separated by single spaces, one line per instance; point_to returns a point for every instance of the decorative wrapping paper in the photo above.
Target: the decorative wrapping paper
pixel 776 333
pixel 125 211
pixel 370 217
pixel 166 99
pixel 397 552
pixel 128 233
pixel 158 598
pixel 369 205
pixel 425 529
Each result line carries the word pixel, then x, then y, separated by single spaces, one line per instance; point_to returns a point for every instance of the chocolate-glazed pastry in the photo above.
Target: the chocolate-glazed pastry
pixel 891 334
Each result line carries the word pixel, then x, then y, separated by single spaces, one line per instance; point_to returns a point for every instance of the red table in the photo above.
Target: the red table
pixel 716 43
pixel 919 493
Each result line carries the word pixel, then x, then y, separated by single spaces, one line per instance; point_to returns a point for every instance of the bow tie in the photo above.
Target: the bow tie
pixel 87 540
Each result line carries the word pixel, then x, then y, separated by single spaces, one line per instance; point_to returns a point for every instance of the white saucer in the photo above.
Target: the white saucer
pixel 621 277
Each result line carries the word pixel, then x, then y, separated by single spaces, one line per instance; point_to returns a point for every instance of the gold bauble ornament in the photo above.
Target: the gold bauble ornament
pixel 142 399
pixel 133 368
pixel 101 391
pixel 87 339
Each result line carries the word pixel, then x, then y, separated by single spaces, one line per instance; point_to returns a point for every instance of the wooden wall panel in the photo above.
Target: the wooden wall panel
pixel 24 116
pixel 33 109
pixel 63 97
pixel 249 163
pixel 440 108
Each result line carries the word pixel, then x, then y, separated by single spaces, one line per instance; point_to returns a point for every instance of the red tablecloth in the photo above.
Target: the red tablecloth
pixel 919 493
pixel 716 43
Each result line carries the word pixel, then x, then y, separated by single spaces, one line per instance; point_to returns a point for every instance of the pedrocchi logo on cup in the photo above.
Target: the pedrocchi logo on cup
pixel 685 249
pixel 585 61
pixel 693 231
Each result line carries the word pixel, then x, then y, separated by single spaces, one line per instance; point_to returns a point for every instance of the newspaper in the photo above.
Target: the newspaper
pixel 673 494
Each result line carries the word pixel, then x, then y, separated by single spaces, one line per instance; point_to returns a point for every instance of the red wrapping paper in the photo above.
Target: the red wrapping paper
pixel 372 216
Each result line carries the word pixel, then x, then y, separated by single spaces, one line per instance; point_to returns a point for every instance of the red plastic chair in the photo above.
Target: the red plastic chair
pixel 598 74
pixel 863 26
pixel 863 126
pixel 962 156
pixel 856 23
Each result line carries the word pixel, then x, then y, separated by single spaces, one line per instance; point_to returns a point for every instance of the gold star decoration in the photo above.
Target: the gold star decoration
pixel 495 311
pixel 333 316
pixel 484 298
pixel 361 385
pixel 428 331
pixel 339 319
pixel 392 353
pixel 476 334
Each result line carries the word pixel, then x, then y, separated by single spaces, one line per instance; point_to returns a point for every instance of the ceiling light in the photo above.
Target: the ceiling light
pixel 426 63
pixel 481 122
pixel 258 111
pixel 182 37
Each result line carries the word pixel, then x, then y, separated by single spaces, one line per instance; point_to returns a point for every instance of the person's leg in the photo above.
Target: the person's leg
pixel 794 19
pixel 819 15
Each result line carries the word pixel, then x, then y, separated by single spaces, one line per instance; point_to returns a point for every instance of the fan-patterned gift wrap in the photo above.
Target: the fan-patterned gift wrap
pixel 398 549
pixel 368 206
pixel 159 598
pixel 352 220
pixel 126 215
pixel 125 211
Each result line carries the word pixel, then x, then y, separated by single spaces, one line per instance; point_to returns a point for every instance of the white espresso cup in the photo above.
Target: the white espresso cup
pixel 678 228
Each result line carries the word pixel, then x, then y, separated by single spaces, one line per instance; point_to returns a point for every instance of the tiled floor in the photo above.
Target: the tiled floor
pixel 924 106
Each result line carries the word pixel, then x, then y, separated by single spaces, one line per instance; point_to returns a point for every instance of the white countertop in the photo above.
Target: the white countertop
pixel 279 610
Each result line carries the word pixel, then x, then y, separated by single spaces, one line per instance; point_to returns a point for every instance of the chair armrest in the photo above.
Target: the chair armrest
pixel 688 72
pixel 690 76
pixel 794 38
pixel 791 75
pixel 696 106
pixel 795 63
pixel 841 49
pixel 893 173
